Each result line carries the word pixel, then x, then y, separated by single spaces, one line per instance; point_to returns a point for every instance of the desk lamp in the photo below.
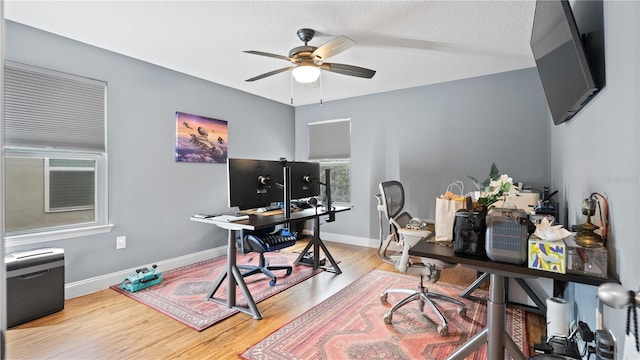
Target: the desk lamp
pixel 586 237
pixel 615 296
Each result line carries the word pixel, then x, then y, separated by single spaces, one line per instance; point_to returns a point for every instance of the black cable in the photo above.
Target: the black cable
pixel 632 309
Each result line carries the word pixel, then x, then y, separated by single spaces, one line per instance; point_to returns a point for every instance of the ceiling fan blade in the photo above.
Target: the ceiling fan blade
pixel 270 73
pixel 254 52
pixel 348 70
pixel 333 47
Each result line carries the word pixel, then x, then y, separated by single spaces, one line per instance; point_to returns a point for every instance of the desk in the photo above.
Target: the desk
pixel 494 333
pixel 257 222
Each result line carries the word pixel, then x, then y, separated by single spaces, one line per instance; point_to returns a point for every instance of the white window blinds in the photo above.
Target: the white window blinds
pixel 53 110
pixel 330 139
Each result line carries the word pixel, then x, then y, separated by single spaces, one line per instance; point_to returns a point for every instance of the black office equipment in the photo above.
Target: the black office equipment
pixel 305 179
pixel 561 59
pixel 254 183
pixel 35 284
pixel 261 183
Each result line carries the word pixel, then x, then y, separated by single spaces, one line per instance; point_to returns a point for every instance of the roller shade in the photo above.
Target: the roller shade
pixel 330 139
pixel 45 109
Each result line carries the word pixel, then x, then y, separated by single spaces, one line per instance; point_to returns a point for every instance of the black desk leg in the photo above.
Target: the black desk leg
pixel 540 308
pixel 494 334
pixel 541 305
pixel 466 294
pixel 317 243
pixel 234 277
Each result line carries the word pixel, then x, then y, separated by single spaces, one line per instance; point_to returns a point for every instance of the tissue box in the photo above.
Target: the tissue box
pixel 547 255
pixel 586 261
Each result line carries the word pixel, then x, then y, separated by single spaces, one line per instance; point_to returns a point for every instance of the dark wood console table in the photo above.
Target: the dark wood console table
pixel 494 333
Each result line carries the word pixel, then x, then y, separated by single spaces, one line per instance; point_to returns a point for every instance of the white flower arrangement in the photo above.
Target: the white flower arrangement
pixel 495 188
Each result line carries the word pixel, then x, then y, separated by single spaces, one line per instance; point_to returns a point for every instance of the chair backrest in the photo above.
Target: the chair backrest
pixel 392 198
pixel 391 204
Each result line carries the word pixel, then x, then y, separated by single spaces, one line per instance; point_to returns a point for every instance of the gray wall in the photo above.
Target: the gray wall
pixel 428 137
pixel 598 151
pixel 150 195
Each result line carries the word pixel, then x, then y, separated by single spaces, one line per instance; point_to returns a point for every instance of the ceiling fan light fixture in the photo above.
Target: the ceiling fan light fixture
pixel 306 73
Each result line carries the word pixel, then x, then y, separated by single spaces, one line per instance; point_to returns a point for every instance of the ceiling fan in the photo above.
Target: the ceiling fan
pixel 309 60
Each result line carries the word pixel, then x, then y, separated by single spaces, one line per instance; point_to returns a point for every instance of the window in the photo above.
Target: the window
pixel 69 184
pixel 340 176
pixel 55 155
pixel 330 145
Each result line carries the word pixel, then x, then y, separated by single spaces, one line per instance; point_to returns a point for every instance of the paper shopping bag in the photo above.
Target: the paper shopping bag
pixel 446 206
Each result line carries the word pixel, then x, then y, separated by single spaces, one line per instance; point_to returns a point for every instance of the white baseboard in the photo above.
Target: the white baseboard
pixel 351 240
pixel 87 286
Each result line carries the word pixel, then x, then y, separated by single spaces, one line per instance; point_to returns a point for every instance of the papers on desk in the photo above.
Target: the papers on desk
pixel 229 218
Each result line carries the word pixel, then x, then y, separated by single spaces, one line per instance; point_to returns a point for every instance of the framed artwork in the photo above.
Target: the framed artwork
pixel 201 139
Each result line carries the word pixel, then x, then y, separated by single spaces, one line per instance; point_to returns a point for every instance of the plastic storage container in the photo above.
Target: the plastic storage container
pixel 35 284
pixel 586 261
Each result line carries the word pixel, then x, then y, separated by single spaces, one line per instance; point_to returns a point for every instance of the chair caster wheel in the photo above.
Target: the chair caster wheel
pixel 387 317
pixel 443 330
pixel 289 271
pixel 383 297
pixel 272 282
pixel 462 312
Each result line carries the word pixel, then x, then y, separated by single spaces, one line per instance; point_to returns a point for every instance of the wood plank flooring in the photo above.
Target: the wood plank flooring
pixel 107 325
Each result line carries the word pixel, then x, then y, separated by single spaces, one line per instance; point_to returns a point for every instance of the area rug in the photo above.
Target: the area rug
pixel 182 292
pixel 349 325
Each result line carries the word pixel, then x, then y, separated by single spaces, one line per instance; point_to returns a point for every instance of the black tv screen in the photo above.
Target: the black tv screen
pixel 561 60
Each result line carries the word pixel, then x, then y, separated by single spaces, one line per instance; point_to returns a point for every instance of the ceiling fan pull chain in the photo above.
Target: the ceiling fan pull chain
pixel 291 84
pixel 321 82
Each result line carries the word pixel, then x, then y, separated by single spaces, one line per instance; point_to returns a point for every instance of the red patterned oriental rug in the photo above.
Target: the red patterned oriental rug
pixel 349 325
pixel 182 292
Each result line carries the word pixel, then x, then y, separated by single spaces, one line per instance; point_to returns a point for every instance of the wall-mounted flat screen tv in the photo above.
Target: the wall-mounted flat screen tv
pixel 561 60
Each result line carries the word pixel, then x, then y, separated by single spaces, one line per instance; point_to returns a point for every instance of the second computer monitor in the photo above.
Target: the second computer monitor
pixel 305 179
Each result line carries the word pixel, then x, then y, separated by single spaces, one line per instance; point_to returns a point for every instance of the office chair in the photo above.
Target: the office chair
pixel 390 207
pixel 265 241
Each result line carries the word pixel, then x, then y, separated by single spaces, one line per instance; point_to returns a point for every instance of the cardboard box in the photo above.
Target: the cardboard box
pixel 547 255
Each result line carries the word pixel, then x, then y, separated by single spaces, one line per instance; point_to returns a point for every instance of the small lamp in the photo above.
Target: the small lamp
pixel 586 237
pixel 306 73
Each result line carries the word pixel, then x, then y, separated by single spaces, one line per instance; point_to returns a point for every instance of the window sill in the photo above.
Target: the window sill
pixel 26 239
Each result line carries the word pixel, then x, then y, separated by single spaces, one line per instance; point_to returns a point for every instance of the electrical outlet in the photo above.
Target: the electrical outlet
pixel 121 242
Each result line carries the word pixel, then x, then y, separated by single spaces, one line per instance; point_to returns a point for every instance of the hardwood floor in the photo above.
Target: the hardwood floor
pixel 107 325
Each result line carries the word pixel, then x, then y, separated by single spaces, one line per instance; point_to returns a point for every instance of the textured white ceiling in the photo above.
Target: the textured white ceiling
pixel 408 43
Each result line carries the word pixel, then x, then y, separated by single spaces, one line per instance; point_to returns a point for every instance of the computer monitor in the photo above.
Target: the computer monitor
pixel 254 183
pixel 305 179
